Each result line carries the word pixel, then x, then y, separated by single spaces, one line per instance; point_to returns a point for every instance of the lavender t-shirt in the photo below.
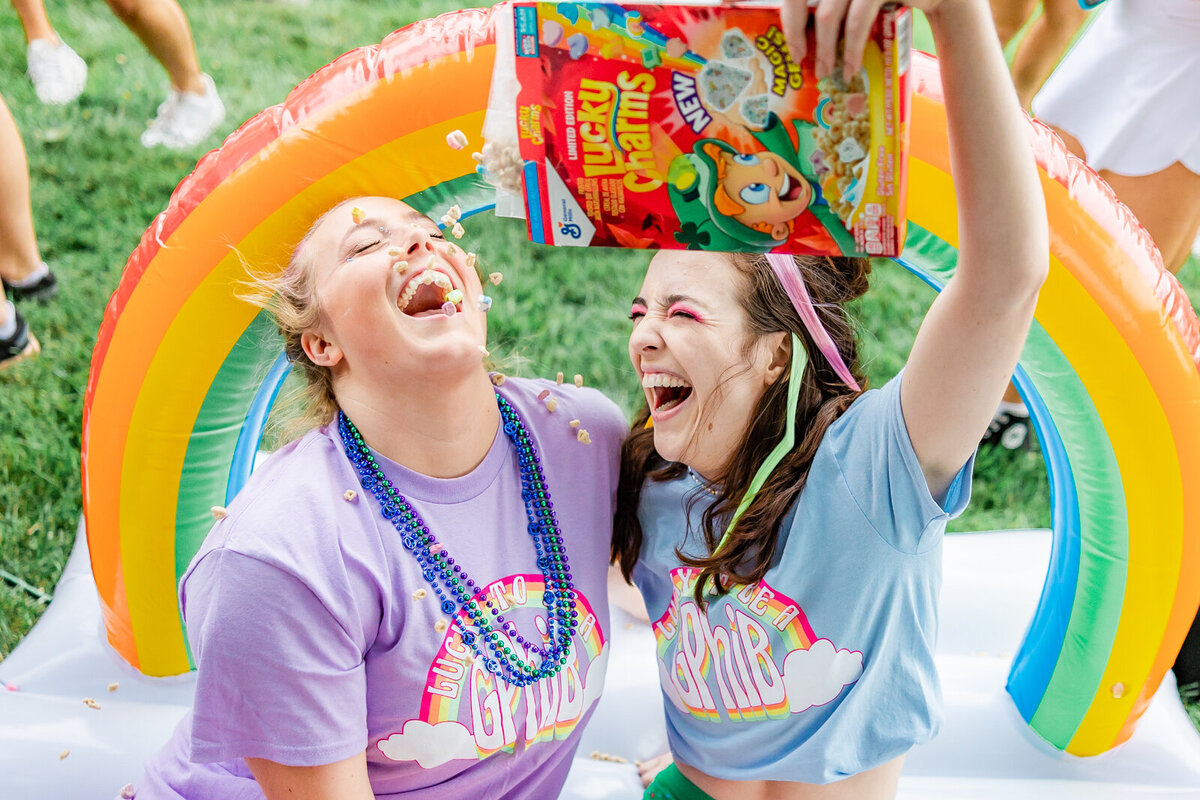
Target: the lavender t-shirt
pixel 315 635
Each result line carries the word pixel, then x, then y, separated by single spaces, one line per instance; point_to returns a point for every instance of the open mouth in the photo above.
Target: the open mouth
pixel 790 189
pixel 666 391
pixel 424 294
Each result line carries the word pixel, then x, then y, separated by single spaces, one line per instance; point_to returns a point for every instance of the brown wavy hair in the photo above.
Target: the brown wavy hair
pixel 831 282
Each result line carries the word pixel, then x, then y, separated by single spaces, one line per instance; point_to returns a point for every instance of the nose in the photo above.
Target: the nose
pixel 421 240
pixel 771 167
pixel 646 337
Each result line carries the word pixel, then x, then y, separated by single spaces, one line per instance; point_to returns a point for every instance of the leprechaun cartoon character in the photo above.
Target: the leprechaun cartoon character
pixel 727 199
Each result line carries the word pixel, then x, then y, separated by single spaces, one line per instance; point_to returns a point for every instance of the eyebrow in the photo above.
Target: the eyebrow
pixel 670 300
pixel 376 222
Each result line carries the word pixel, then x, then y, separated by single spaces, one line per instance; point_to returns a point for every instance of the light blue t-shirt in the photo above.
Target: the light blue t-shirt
pixel 824 668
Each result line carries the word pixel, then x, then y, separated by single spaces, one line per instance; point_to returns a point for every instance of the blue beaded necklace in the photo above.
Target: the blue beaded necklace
pixel 456 590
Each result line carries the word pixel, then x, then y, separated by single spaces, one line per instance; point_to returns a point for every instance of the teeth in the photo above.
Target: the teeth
pixel 429 276
pixel 787 184
pixel 653 380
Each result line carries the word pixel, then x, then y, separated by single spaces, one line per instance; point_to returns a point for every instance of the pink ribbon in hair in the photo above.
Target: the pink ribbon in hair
pixel 784 267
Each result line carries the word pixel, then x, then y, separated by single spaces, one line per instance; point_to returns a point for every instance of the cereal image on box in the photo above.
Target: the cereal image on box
pixel 755 110
pixel 692 127
pixel 720 84
pixel 734 44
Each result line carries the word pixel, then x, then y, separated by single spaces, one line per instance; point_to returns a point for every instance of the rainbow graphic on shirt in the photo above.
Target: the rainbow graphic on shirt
pixel 750 655
pixel 475 714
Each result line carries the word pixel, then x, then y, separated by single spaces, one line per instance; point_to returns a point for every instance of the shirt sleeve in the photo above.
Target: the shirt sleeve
pixel 872 449
pixel 279 677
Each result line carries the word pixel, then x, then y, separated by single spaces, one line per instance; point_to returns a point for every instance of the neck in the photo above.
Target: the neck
pixel 443 430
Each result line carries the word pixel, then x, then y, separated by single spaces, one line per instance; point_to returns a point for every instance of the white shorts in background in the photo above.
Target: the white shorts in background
pixel 1129 91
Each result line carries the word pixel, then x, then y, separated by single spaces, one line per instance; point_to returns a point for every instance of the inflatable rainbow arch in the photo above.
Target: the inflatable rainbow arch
pixel 184 373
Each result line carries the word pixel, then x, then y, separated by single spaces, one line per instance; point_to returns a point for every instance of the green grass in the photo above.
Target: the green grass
pixel 95 190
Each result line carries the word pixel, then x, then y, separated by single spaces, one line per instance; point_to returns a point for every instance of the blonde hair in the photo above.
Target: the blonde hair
pixel 290 295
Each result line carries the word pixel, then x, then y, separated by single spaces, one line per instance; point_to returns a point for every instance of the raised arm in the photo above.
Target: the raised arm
pixel 969 342
pixel 971 338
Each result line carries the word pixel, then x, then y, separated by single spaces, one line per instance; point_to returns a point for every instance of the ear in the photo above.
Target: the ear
pixel 320 350
pixel 777 348
pixel 780 232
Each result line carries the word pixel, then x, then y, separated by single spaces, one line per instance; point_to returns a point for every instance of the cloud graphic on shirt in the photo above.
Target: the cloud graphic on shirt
pixel 593 682
pixel 429 745
pixel 817 675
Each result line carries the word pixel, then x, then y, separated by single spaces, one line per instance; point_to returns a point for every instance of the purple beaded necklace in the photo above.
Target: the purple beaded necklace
pixel 459 594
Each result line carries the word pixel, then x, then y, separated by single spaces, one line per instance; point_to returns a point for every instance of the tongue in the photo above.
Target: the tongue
pixel 671 397
pixel 428 298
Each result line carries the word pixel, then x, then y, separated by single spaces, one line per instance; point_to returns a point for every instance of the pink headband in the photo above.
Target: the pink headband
pixel 784 267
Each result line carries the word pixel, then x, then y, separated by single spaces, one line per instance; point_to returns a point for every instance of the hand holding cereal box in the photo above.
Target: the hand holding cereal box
pixel 671 126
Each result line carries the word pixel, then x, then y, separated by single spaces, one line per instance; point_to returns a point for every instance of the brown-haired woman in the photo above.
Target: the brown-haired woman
pixel 783 526
pixel 394 606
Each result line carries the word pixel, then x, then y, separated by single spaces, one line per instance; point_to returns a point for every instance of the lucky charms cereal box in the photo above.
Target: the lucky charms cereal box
pixel 674 126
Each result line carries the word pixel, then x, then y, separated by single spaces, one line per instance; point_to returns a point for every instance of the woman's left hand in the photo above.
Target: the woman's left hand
pixel 832 17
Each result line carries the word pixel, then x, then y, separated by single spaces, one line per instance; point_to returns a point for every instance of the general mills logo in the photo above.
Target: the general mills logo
pixel 570 229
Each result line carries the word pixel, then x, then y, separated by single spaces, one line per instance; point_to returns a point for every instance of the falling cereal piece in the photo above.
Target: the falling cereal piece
pixel 582 436
pixel 219 512
pixel 578 381
pixel 419 594
pixel 498 379
pixel 676 47
pixel 454 296
pixel 440 626
pixel 454 212
pixel 63 754
pixel 448 220
pixel 484 302
pixel 495 278
pixel 598 756
pixel 449 309
pixel 458 230
pixel 574 423
pixel 11 687
pixel 633 24
pixel 456 139
pixel 349 495
pixel 400 267
pixel 112 687
pixel 436 547
pixel 1118 690
pixel 356 214
pixel 542 395
pixel 90 703
pixel 395 252
pixel 558 379
pixel 472 259
pixel 477 156
pixel 486 353
pixel 127 792
pixel 551 405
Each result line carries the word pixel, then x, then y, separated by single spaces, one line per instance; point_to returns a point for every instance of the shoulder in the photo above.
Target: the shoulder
pixel 595 413
pixel 292 510
pixel 872 414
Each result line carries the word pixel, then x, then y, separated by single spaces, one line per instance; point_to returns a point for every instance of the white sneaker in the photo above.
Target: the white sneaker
pixel 185 119
pixel 57 72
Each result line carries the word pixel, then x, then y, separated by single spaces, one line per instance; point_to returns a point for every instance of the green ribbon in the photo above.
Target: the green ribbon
pixel 799 361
